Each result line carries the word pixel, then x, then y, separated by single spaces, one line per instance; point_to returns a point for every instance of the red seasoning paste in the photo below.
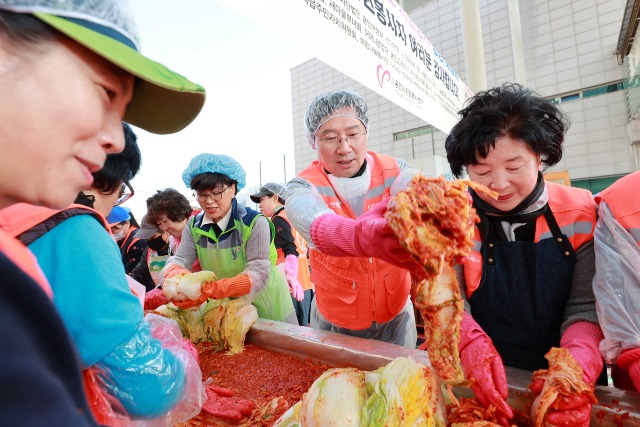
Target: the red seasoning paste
pixel 259 375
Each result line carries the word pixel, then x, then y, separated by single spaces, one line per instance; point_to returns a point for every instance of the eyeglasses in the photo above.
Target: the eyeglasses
pixel 213 196
pixel 353 139
pixel 126 192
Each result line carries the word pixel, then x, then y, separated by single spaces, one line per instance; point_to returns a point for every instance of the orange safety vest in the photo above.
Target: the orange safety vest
pixel 354 292
pixel 623 202
pixel 27 223
pixel 574 210
pixel 24 259
pixel 304 275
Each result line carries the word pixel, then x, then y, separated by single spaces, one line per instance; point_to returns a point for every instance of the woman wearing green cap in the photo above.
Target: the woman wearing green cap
pixel 233 241
pixel 70 72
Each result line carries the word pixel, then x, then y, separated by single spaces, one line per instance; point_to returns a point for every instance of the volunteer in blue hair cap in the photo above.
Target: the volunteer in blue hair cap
pixel 124 231
pixel 233 241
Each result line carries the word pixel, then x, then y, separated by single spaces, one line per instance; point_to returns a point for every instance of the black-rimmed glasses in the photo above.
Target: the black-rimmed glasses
pixel 213 195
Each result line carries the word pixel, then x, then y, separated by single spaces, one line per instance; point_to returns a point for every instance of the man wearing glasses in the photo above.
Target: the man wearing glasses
pixel 337 203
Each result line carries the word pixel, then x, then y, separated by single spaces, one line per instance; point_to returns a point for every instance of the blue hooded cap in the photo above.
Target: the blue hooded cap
pixel 214 163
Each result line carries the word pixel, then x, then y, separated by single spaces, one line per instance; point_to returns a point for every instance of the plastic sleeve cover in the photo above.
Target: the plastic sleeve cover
pixel 616 285
pixel 147 378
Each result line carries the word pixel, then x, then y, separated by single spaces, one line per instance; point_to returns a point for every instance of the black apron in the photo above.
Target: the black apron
pixel 522 295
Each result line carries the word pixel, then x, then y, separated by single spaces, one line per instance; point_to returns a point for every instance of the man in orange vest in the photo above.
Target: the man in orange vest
pixel 290 246
pixel 359 270
pixel 616 284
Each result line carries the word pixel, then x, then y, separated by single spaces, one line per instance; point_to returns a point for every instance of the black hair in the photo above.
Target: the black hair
pixel 169 202
pixel 119 167
pixel 507 110
pixel 24 30
pixel 133 220
pixel 210 180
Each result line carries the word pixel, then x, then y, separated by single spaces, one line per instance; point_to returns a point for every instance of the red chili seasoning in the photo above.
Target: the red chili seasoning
pixel 259 375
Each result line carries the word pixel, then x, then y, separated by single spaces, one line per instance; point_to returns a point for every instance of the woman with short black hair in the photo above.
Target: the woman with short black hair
pixel 527 282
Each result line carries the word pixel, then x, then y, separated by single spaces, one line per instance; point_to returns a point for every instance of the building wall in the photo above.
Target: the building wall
pixel 568 46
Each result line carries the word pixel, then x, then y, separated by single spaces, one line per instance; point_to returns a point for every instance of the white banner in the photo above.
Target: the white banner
pixel 375 43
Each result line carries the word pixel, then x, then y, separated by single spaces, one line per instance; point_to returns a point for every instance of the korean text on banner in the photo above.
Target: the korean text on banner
pixel 375 43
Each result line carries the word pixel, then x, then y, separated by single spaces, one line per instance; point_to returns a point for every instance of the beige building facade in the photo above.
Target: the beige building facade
pixel 566 50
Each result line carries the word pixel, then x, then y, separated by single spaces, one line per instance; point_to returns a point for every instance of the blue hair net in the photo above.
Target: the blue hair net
pixel 213 163
pixel 323 107
pixel 117 215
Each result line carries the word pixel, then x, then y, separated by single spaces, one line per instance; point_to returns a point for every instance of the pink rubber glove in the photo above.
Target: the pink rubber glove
pixel 154 299
pixel 173 270
pixel 582 339
pixel 630 360
pixel 291 271
pixel 191 348
pixel 367 236
pixel 482 364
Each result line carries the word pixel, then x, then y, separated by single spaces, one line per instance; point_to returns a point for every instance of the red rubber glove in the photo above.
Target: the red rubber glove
pixel 582 339
pixel 221 403
pixel 218 289
pixel 291 271
pixel 482 364
pixel 370 235
pixel 630 360
pixel 154 299
pixel 174 270
pixel 567 411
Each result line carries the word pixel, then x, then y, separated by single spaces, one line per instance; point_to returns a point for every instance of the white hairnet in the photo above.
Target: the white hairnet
pixel 215 163
pixel 324 107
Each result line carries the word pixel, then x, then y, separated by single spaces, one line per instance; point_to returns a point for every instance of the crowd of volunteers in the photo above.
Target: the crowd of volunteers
pixel 551 266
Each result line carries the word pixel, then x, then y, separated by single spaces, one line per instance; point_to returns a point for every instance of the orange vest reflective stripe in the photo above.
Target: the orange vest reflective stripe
pixel 354 292
pixel 304 275
pixel 574 210
pixel 132 230
pixel 623 202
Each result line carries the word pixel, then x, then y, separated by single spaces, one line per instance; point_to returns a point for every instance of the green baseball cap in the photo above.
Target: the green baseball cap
pixel 163 101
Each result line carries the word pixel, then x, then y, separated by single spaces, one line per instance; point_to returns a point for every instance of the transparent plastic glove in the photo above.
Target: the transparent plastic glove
pixel 191 348
pixel 367 236
pixel 168 333
pixel 173 270
pixel 482 364
pixel 154 299
pixel 291 272
pixel 582 339
pixel 231 287
pixel 630 360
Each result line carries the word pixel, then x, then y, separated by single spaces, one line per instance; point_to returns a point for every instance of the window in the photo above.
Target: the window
pixel 572 97
pixel 412 133
pixel 588 93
